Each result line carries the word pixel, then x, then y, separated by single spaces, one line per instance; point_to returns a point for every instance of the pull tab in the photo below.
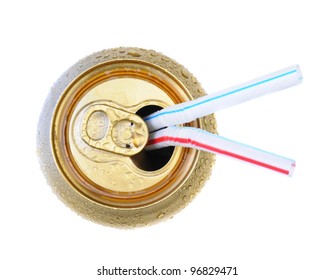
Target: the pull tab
pixel 108 128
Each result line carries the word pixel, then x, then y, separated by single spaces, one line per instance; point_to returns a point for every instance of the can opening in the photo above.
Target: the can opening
pixel 156 159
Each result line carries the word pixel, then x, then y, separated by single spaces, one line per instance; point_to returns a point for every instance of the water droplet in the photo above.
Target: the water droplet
pixel 194 80
pixel 161 215
pixel 153 53
pixel 134 53
pixel 166 59
pixel 184 73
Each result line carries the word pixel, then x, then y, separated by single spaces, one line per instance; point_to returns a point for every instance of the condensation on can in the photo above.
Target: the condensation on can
pixel 91 137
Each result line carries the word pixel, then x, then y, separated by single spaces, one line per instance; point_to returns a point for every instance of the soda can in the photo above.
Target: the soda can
pixel 91 138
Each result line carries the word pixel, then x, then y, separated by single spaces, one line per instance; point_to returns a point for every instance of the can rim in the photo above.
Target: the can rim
pixel 183 163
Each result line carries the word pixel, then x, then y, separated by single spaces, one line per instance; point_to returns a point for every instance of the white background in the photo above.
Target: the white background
pixel 268 225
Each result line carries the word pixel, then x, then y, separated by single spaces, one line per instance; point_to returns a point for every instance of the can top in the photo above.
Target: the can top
pixel 99 134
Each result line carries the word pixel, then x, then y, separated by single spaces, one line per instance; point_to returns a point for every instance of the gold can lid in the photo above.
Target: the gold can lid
pixel 97 138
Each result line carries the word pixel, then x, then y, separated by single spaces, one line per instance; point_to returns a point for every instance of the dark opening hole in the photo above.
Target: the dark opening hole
pixel 147 110
pixel 156 159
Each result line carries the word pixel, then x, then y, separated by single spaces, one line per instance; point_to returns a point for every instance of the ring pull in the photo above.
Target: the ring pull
pixel 108 128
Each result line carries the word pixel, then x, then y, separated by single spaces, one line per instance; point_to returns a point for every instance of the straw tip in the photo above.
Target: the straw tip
pixel 292 168
pixel 299 73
